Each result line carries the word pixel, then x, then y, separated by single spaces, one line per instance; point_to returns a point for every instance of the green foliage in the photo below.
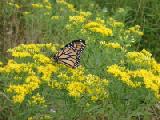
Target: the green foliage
pixel 113 82
pixel 143 12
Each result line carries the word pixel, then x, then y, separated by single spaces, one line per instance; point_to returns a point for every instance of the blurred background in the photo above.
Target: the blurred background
pixel 16 29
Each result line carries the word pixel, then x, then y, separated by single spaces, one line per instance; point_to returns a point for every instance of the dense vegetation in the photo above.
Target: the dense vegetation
pixel 117 79
pixel 143 12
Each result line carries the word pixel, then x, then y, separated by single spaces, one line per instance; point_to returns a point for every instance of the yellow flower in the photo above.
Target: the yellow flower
pixel 60 1
pixel 63 76
pixel 142 58
pixel 140 33
pixel 151 81
pixel 32 78
pixel 77 74
pixel 99 28
pixel 76 89
pixel 17 78
pixel 18 89
pixel 155 67
pixel 99 20
pixel 32 83
pixel 30 118
pixel 123 74
pixel 14 5
pixel 96 87
pixel 11 4
pixel 42 58
pixel 56 84
pixel 18 98
pixel 104 31
pixel 94 98
pixel 69 27
pixel 38 5
pixel 37 99
pixel 69 6
pixel 26 13
pixel 1 69
pixel 47 71
pixel 1 63
pixel 41 117
pixel 111 45
pixel 76 19
pixel 55 17
pixel 137 27
pixel 17 6
pixel 48 7
pixel 45 1
pixel 136 30
pixel 47 13
pixel 85 14
pixel 14 67
pixel 32 48
pixel 92 25
pixel 77 83
pixel 21 54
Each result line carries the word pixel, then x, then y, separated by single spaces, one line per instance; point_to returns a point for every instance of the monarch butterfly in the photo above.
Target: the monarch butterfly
pixel 70 54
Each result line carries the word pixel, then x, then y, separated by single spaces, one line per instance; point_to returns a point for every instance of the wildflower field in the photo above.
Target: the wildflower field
pixel 114 81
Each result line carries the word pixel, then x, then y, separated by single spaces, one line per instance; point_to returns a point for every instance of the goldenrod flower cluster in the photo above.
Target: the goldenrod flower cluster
pixel 37 5
pixel 85 14
pixel 55 17
pixel 76 19
pixel 136 30
pixel 17 6
pixel 98 28
pixel 41 58
pixel 42 117
pixel 46 4
pixel 33 79
pixel 46 71
pixel 110 44
pixel 1 63
pixel 79 84
pixel 68 5
pixel 12 66
pixel 37 99
pixel 76 89
pixel 142 71
pixel 20 91
pixel 142 58
pixel 29 77
pixel 123 74
pixel 21 54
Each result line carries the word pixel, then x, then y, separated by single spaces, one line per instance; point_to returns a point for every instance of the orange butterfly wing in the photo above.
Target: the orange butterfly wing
pixel 70 54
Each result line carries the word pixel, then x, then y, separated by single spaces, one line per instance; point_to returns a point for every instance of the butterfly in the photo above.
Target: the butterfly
pixel 70 54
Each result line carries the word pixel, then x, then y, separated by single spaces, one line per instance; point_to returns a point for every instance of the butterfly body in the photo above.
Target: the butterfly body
pixel 70 54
